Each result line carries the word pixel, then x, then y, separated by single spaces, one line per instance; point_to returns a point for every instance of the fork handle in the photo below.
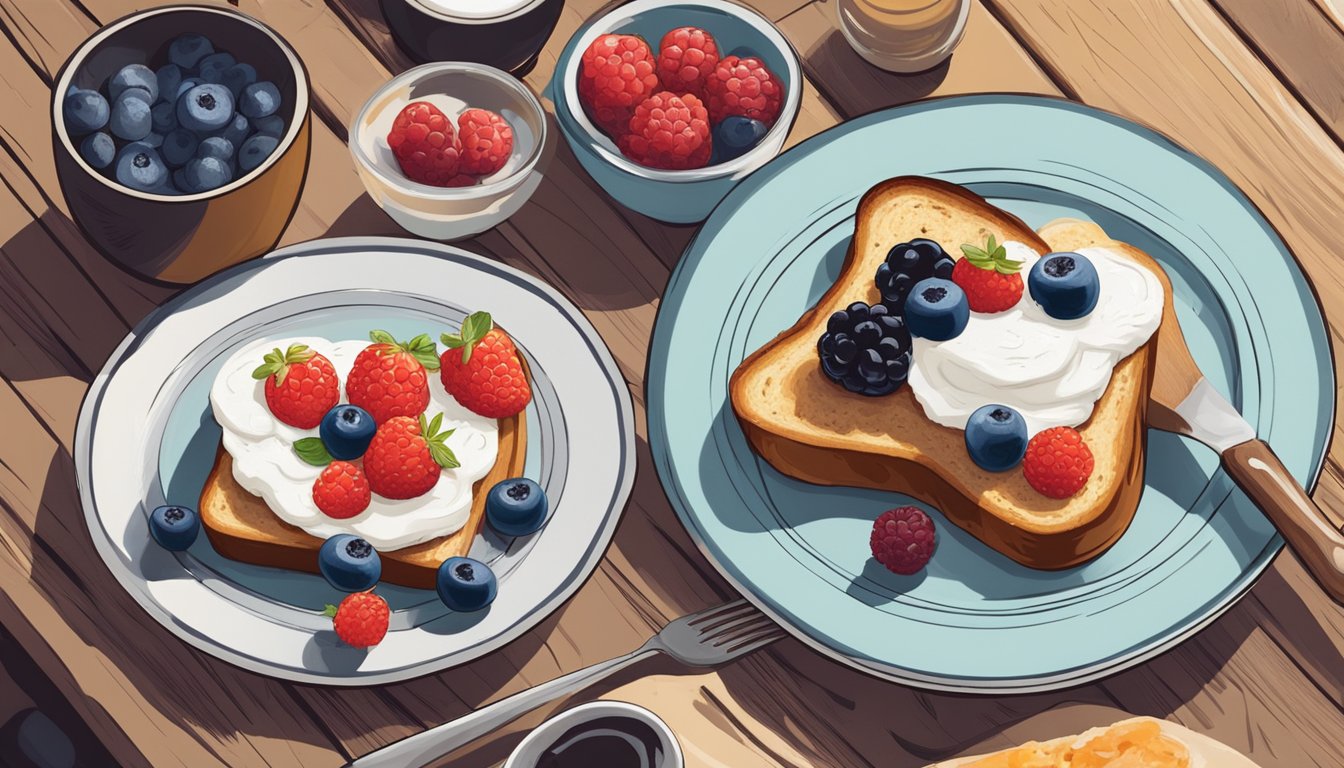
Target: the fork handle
pixel 1304 526
pixel 423 748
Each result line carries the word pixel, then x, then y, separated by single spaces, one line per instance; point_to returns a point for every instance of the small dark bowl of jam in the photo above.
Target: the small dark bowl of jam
pixel 611 734
pixel 506 34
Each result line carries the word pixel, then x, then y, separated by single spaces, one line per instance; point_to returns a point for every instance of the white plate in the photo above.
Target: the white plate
pixel 146 436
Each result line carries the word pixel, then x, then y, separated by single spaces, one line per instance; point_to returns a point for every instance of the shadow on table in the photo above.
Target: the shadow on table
pixel 855 86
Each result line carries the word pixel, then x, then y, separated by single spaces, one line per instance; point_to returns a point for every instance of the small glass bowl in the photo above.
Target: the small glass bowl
pixel 450 213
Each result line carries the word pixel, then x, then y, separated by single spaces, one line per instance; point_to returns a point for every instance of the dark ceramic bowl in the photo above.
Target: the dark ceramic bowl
pixel 504 34
pixel 183 238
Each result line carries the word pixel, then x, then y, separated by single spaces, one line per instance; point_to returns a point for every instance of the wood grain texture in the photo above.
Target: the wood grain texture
pixel 151 699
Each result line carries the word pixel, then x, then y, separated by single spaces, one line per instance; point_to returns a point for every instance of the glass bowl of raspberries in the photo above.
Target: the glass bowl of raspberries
pixel 181 139
pixel 450 149
pixel 669 105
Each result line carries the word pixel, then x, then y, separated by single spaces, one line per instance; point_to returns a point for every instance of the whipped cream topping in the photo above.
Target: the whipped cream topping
pixel 264 461
pixel 1051 371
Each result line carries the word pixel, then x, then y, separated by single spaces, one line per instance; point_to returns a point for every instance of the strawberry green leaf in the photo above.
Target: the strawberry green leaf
pixel 476 326
pixel 329 611
pixel 451 340
pixel 311 450
pixel 992 257
pixel 437 442
pixel 423 349
pixel 382 337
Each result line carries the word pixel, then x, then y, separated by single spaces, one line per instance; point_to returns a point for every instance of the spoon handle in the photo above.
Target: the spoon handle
pixel 1310 534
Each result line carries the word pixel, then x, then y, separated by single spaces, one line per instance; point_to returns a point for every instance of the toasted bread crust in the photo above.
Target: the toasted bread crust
pixel 242 526
pixel 896 448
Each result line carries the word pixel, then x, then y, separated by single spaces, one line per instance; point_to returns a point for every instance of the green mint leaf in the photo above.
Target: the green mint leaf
pixel 476 326
pixel 311 450
pixel 443 455
pixel 451 340
pixel 435 423
pixel 382 337
pixel 992 245
pixel 262 371
pixel 422 348
pixel 329 611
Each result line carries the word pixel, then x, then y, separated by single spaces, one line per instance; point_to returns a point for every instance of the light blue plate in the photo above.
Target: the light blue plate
pixel 974 620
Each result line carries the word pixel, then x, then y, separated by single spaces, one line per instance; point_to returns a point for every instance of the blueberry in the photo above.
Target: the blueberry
pixel 207 107
pixel 180 182
pixel 272 125
pixel 865 349
pixel 211 69
pixel 346 431
pixel 349 563
pixel 174 527
pixel 255 151
pixel 130 119
pixel 154 140
pixel 139 166
pixel 188 50
pixel 134 76
pixel 936 309
pixel 169 78
pixel 466 585
pixel 516 507
pixel 1066 285
pixel 259 99
pixel 996 437
pixel 206 173
pixel 219 148
pixel 736 134
pixel 138 93
pixel 186 85
pixel 85 112
pixel 163 116
pixel 907 264
pixel 238 77
pixel 179 146
pixel 98 150
pixel 236 130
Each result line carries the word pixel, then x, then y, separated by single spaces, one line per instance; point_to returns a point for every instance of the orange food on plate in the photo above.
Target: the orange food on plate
pixel 1125 745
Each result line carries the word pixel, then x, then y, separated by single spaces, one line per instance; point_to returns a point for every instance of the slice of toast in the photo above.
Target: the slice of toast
pixel 242 526
pixel 1142 741
pixel 812 429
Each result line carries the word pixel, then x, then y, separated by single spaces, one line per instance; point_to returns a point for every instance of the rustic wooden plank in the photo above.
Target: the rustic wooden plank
pixel 987 59
pixel 1298 40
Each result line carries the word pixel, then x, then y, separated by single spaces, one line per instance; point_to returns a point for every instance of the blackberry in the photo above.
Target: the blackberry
pixel 866 349
pixel 907 264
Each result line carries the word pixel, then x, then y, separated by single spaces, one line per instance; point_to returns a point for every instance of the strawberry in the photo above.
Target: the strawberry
pixel 360 620
pixel 388 378
pixel 1058 462
pixel 301 386
pixel 341 491
pixel 486 377
pixel 405 456
pixel 989 278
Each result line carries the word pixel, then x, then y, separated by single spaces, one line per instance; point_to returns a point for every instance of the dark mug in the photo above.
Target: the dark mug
pixel 505 34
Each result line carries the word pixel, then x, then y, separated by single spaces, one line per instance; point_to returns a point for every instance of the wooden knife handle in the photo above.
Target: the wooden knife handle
pixel 1318 544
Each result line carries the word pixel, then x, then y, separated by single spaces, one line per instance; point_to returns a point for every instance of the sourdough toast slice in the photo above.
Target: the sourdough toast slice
pixel 812 429
pixel 242 526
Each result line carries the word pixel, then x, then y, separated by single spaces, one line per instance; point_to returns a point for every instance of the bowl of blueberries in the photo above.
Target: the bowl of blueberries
pixel 182 138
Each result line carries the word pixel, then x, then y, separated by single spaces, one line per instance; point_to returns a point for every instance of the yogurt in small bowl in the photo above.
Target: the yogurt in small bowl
pixel 451 213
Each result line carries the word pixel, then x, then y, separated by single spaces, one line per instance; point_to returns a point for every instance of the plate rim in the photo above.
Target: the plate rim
pixel 657 415
pixel 557 598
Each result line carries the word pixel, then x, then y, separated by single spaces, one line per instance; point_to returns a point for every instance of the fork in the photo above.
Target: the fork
pixel 708 638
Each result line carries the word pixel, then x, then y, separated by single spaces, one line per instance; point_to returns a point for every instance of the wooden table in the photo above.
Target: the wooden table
pixel 1255 86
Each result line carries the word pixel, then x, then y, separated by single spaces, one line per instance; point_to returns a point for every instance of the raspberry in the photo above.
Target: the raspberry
pixel 686 58
pixel 987 290
pixel 482 371
pixel 903 539
pixel 423 141
pixel 744 86
pixel 669 132
pixel 300 385
pixel 1058 462
pixel 389 377
pixel 341 491
pixel 989 278
pixel 360 620
pixel 613 121
pixel 405 457
pixel 619 70
pixel 486 141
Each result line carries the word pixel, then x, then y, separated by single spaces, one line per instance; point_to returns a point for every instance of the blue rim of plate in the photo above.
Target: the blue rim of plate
pixel 800 551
